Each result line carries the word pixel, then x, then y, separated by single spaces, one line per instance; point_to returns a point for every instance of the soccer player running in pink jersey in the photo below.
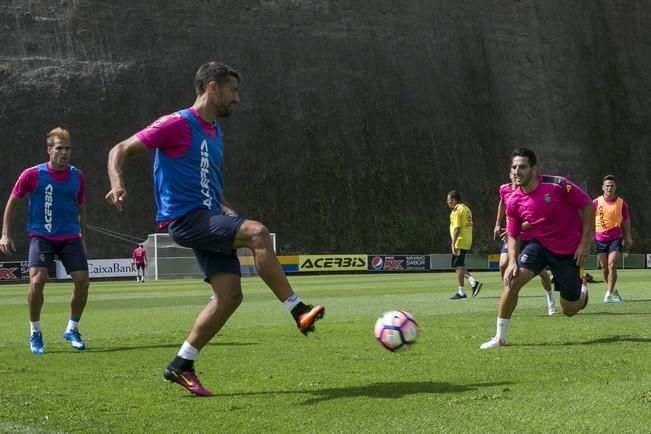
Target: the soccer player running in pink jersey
pixel 611 216
pixel 188 182
pixel 505 192
pixel 561 220
pixel 55 226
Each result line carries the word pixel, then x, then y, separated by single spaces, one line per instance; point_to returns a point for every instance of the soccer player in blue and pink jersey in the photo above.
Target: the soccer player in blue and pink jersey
pixel 189 188
pixel 505 192
pixel 55 225
pixel 612 230
pixel 561 220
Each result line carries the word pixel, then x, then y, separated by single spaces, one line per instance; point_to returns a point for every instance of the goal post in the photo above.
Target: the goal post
pixel 168 260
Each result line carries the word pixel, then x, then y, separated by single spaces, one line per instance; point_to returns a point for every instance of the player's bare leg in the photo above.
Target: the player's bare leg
pixel 255 236
pixel 508 303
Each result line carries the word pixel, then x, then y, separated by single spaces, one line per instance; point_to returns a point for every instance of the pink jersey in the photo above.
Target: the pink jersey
pixel 614 232
pixel 27 182
pixel 505 192
pixel 552 210
pixel 171 133
pixel 139 255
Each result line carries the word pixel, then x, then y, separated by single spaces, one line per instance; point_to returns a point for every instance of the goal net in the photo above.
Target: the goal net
pixel 168 260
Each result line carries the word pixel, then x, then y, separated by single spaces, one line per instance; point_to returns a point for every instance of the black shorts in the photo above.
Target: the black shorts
pixel 567 278
pixel 210 234
pixel 610 246
pixel 71 253
pixel 140 266
pixel 459 261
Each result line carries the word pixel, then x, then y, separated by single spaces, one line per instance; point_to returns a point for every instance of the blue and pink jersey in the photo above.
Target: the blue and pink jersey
pixel 54 199
pixel 505 192
pixel 189 163
pixel 552 210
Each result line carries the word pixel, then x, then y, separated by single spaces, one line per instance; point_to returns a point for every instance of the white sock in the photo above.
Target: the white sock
pixel 72 325
pixel 462 290
pixel 550 297
pixel 472 280
pixel 34 327
pixel 502 328
pixel 292 301
pixel 188 352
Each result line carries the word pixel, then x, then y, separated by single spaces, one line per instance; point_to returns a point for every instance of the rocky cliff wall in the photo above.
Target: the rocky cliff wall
pixel 356 117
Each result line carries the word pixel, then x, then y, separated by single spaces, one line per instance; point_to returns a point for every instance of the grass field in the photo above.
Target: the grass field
pixel 587 374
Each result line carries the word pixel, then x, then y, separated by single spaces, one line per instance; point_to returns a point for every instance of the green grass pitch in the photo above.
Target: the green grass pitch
pixel 590 373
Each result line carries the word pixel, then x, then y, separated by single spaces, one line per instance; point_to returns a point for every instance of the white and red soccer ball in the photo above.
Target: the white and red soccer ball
pixel 396 330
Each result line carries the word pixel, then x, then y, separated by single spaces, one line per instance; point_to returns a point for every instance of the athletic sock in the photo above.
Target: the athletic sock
pixel 502 328
pixel 550 297
pixel 34 327
pixel 182 364
pixel 292 301
pixel 188 352
pixel 462 290
pixel 472 281
pixel 73 323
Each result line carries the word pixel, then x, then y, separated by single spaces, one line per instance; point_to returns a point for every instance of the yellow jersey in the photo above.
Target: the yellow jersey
pixel 461 217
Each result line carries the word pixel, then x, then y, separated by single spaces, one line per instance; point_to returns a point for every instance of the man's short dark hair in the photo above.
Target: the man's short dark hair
pixel 524 152
pixel 455 195
pixel 213 71
pixel 609 178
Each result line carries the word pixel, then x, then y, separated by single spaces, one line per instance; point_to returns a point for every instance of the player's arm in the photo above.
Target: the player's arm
pixel 583 251
pixel 227 208
pixel 455 236
pixel 116 160
pixel 497 231
pixel 628 233
pixel 7 245
pixel 82 223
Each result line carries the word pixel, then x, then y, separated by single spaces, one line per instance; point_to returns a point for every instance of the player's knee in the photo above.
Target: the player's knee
pixel 259 234
pixel 232 299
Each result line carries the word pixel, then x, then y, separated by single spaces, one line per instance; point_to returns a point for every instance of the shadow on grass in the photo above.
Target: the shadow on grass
pixel 144 347
pixel 392 390
pixel 605 340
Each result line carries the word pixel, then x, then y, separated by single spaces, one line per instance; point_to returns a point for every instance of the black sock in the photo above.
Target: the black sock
pixel 299 309
pixel 182 364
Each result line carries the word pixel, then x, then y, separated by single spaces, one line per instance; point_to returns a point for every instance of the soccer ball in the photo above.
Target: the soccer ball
pixel 396 330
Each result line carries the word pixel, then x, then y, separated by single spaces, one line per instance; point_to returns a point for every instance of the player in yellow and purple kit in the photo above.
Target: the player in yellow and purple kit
pixel 139 258
pixel 505 192
pixel 561 219
pixel 55 226
pixel 189 191
pixel 611 216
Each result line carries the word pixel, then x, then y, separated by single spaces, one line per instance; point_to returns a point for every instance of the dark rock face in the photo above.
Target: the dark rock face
pixel 357 117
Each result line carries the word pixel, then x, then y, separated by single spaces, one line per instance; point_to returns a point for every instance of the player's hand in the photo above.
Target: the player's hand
pixel 116 197
pixel 496 231
pixel 511 272
pixel 628 242
pixel 582 253
pixel 7 245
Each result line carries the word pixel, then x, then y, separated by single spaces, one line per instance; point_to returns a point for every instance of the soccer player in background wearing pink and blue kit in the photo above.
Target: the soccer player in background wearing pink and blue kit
pixel 55 225
pixel 188 178
pixel 505 192
pixel 561 221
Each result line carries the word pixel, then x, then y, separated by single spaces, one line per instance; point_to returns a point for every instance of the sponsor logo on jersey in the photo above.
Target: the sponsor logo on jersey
pixel 203 173
pixel 49 199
